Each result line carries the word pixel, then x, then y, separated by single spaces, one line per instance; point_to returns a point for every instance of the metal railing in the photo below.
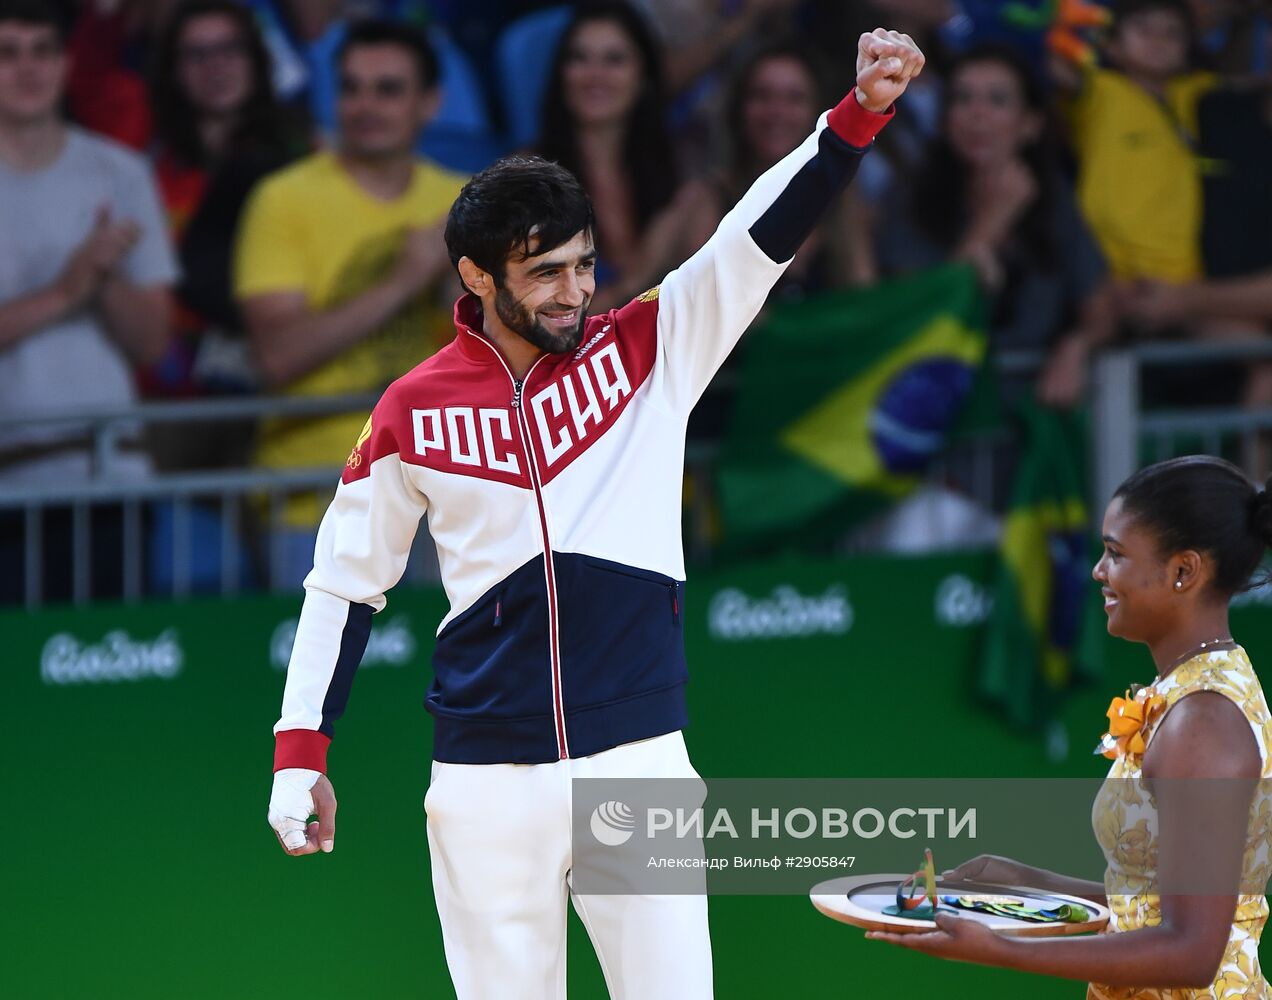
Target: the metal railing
pixel 1125 435
pixel 238 496
pixel 108 427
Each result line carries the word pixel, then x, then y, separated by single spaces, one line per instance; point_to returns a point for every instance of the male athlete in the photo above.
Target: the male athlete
pixel 546 449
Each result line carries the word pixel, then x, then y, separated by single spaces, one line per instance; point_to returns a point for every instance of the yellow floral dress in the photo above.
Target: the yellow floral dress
pixel 1125 822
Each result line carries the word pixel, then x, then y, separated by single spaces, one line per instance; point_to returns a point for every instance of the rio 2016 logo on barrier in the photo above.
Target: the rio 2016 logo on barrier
pixel 960 602
pixel 65 660
pixel 784 613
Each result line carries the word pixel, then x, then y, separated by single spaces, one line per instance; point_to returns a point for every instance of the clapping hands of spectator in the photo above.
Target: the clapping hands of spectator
pixel 96 259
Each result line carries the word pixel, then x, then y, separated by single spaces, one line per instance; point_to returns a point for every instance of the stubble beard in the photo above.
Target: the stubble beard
pixel 526 325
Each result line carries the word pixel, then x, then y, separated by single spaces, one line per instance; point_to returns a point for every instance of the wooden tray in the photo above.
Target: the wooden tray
pixel 860 901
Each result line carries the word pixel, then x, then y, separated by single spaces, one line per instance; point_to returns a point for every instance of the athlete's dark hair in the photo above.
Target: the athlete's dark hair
pixel 503 207
pixel 1204 503
pixel 374 31
pixel 941 187
pixel 260 120
pixel 39 13
pixel 648 152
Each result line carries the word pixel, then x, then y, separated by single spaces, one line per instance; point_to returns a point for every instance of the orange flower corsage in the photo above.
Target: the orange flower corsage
pixel 1129 719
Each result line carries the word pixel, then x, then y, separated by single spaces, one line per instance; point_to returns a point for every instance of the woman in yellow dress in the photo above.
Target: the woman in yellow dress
pixel 1180 538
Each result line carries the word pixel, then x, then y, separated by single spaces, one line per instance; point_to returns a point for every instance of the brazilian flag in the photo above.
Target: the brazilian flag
pixel 1044 575
pixel 844 401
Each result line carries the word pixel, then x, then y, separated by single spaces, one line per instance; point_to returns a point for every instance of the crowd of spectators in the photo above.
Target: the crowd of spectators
pixel 212 197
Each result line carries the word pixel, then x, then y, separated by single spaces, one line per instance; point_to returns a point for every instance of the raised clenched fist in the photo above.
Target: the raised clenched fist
pixel 886 63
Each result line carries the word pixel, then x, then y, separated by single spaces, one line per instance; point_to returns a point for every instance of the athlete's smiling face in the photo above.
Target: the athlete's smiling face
pixel 544 298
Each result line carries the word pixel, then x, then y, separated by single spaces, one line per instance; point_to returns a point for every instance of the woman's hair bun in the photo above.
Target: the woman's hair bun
pixel 1261 513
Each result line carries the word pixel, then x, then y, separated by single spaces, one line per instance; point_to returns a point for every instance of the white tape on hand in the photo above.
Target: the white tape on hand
pixel 291 804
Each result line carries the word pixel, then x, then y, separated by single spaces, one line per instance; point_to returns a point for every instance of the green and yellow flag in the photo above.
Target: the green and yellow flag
pixel 1044 576
pixel 844 401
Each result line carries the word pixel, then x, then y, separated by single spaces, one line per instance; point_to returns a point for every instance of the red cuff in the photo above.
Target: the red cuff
pixel 301 748
pixel 854 124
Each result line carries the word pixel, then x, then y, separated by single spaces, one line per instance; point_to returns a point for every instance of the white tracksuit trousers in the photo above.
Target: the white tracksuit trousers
pixel 499 836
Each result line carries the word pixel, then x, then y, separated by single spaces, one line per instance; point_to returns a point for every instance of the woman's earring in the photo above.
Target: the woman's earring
pixel 1179 584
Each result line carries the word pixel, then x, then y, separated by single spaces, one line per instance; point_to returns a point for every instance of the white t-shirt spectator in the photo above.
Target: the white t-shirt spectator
pixel 72 365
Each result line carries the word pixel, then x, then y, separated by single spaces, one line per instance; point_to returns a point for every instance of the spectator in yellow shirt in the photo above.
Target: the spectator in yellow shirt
pixel 341 268
pixel 1135 129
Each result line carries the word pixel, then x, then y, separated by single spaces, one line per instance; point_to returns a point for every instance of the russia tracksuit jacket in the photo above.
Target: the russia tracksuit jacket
pixel 554 501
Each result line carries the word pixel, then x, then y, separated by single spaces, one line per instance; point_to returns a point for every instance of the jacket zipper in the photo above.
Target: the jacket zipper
pixel 554 644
